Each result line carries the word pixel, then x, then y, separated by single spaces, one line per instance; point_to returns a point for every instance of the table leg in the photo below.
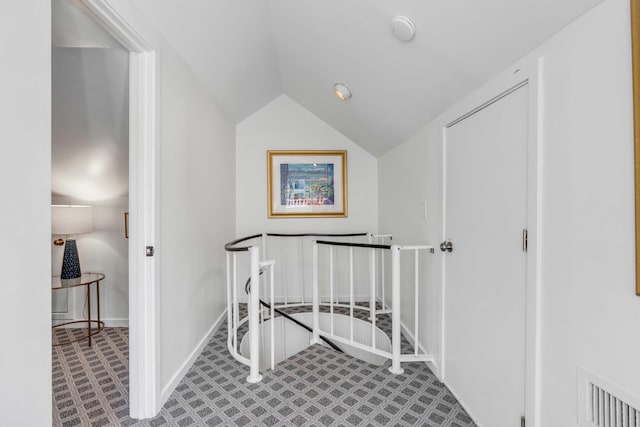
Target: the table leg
pixel 89 312
pixel 98 295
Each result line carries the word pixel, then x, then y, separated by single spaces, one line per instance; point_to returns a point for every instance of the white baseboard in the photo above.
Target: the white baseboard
pixel 436 371
pixel 116 323
pixel 60 316
pixel 412 340
pixel 464 405
pixel 182 371
pixel 409 336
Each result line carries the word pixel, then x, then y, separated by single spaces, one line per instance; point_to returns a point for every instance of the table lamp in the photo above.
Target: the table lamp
pixel 70 220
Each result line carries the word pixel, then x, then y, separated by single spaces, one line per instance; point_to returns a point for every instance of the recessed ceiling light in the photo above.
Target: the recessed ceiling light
pixel 342 91
pixel 403 28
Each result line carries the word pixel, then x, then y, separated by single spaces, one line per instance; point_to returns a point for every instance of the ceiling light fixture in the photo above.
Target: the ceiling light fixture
pixel 342 91
pixel 403 28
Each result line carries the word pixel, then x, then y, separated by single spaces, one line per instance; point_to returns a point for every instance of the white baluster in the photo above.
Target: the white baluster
pixel 372 295
pixel 273 320
pixel 229 300
pixel 236 306
pixel 315 299
pixel 331 285
pixel 416 275
pixel 301 257
pixel 254 324
pixel 283 270
pixel 395 311
pixel 351 295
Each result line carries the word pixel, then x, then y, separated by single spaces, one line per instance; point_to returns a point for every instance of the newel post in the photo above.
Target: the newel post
pixel 316 298
pixel 395 311
pixel 254 313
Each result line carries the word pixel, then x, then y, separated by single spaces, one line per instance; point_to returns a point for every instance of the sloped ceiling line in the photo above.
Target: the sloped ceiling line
pixel 248 52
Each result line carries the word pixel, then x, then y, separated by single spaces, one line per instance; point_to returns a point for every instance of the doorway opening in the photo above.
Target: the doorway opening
pixel 103 155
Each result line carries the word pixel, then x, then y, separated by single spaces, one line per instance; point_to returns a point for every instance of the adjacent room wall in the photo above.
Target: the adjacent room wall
pixel 25 185
pixel 589 311
pixel 90 165
pixel 285 125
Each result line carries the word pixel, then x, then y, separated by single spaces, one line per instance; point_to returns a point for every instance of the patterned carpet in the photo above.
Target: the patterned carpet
pixel 317 387
pixel 91 384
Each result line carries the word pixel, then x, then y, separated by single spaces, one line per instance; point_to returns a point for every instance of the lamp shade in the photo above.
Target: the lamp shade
pixel 71 219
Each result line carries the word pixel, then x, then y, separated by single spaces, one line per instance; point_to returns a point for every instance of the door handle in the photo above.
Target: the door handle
pixel 446 246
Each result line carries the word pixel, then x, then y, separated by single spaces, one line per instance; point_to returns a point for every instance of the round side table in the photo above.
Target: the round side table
pixel 87 279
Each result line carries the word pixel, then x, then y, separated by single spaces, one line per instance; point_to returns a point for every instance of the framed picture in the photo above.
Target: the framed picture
pixel 307 184
pixel 635 51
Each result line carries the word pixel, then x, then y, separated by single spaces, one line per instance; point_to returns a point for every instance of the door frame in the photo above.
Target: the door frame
pixel 529 74
pixel 144 339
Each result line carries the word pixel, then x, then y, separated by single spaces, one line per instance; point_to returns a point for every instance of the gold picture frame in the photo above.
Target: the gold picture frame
pixel 635 54
pixel 307 184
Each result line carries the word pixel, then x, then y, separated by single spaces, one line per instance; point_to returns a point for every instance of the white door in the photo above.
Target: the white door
pixel 485 273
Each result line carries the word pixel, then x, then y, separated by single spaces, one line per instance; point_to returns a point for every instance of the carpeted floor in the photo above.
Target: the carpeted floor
pixel 91 384
pixel 317 387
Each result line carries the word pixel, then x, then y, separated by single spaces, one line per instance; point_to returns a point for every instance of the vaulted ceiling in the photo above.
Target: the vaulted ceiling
pixel 248 52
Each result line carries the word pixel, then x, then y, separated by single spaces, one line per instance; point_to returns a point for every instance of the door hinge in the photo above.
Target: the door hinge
pixel 525 240
pixel 522 422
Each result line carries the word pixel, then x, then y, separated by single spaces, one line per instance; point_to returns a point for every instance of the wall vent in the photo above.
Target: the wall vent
pixel 603 404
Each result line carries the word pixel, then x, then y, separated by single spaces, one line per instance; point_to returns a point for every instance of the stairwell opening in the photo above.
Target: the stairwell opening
pixel 290 338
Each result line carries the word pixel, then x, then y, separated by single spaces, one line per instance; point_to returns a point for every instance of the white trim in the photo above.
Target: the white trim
pixel 534 266
pixel 530 74
pixel 464 406
pixel 432 364
pixel 143 295
pixel 116 323
pixel 435 369
pixel 443 288
pixel 116 26
pixel 144 340
pixel 61 315
pixel 412 339
pixel 184 368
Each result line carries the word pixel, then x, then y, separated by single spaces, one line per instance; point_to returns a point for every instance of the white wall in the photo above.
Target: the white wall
pixel 25 185
pixel 90 165
pixel 589 307
pixel 196 191
pixel 285 125
pixel 197 208
pixel 590 314
pixel 409 176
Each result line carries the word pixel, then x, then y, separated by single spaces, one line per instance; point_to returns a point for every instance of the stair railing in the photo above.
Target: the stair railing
pixel 396 321
pixel 244 256
pixel 251 254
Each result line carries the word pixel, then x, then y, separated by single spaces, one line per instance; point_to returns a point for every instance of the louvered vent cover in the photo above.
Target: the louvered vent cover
pixel 603 404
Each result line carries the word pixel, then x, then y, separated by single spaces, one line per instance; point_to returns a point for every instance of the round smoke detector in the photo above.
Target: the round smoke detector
pixel 403 29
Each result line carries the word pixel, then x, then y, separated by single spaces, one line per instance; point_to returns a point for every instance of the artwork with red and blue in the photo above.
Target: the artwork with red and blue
pixel 306 184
